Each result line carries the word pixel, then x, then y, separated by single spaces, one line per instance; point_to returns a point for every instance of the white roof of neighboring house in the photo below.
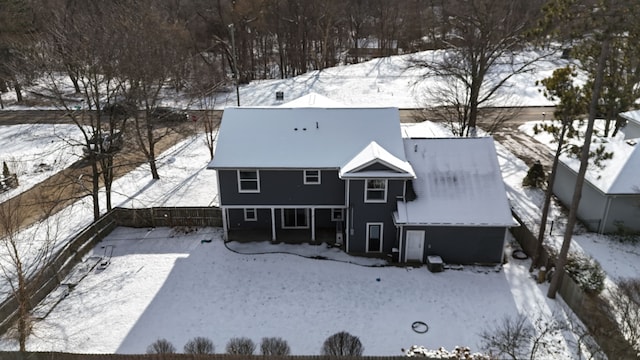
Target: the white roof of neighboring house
pixel 285 137
pixel 458 182
pixel 620 174
pixel 633 116
pixel 313 100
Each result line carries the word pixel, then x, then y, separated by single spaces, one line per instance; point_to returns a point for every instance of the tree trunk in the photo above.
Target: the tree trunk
pixel 95 188
pixel 18 90
pixel 547 198
pixel 152 155
pixel 584 161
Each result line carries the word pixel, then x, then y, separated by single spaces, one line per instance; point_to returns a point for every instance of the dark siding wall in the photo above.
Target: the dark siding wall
pixel 373 212
pixel 283 187
pixel 236 219
pixel 463 245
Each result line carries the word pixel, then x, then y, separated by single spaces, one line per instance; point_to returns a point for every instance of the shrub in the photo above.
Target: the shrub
pixel 274 346
pixel 161 346
pixel 199 345
pixel 241 346
pixel 535 176
pixel 586 272
pixel 342 344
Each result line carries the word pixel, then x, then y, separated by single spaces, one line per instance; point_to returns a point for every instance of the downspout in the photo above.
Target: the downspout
pixel 605 215
pixel 349 215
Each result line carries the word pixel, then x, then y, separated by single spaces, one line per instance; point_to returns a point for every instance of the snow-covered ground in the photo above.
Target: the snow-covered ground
pixel 162 283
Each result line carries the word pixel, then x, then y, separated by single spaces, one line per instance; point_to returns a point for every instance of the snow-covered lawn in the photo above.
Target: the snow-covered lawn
pixel 165 284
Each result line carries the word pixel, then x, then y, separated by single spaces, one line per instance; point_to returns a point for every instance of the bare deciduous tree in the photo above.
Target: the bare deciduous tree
pixel 24 254
pixel 484 41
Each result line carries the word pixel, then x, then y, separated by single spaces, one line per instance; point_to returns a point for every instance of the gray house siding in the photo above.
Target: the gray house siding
pixel 362 212
pixel 462 245
pixel 623 214
pixel 592 203
pixel 283 187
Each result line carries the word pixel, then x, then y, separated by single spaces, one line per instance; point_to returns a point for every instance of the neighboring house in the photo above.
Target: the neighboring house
pixel 346 176
pixel 631 129
pixel 610 199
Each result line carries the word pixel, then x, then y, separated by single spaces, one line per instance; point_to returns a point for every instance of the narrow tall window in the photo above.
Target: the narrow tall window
pixel 374 237
pixel 375 190
pixel 312 177
pixel 248 181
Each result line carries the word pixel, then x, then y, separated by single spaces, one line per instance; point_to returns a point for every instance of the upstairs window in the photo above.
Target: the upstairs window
pixel 248 181
pixel 312 177
pixel 375 190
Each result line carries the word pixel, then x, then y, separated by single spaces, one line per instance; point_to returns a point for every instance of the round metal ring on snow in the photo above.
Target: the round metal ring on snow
pixel 420 327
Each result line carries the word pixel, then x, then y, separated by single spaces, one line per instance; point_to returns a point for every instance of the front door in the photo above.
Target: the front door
pixel 415 245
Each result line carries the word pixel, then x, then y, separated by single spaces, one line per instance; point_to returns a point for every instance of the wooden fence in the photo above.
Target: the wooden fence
pixel 587 307
pixel 62 262
pixel 67 356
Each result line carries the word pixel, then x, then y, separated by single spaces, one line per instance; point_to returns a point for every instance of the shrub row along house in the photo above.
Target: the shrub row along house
pixel 346 176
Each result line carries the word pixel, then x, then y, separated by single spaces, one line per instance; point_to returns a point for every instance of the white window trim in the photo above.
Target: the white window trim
pixel 306 182
pixel 386 187
pixel 381 236
pixel 240 190
pixel 337 211
pixel 306 212
pixel 255 215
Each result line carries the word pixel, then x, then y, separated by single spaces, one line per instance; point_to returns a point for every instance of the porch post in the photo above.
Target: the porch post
pixel 273 224
pixel 225 227
pixel 313 224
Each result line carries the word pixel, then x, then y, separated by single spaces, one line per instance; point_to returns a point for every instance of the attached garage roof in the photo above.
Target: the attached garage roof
pixel 458 183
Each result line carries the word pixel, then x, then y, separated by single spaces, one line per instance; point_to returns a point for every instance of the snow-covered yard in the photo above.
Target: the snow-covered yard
pixel 165 284
pixel 162 283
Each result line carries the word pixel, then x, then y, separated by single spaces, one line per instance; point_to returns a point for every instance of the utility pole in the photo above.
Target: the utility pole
pixel 232 30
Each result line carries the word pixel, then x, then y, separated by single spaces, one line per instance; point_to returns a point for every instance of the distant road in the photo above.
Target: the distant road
pixel 14 117
pixel 525 114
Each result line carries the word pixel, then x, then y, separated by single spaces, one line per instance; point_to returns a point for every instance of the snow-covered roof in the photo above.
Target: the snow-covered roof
pixel 313 100
pixel 280 137
pixel 620 174
pixel 633 116
pixel 458 183
pixel 372 155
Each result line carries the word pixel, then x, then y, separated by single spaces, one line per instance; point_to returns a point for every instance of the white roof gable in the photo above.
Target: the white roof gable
pixel 313 100
pixel 375 154
pixel 458 183
pixel 279 137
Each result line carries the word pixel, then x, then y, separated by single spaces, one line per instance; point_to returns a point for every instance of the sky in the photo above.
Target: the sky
pixel 162 283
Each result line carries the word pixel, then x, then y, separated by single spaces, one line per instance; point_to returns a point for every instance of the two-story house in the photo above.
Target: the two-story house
pixel 342 175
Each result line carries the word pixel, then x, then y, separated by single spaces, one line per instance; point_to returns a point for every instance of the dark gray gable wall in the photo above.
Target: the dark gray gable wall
pixel 283 187
pixel 361 212
pixel 462 245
